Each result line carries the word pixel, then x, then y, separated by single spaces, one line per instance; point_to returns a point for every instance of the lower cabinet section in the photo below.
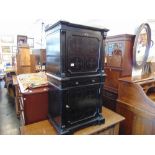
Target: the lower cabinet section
pixel 73 108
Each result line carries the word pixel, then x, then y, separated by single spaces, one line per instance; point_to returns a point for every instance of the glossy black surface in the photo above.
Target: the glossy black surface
pixel 53 53
pixel 69 82
pixel 75 75
pixel 70 107
pixel 74 50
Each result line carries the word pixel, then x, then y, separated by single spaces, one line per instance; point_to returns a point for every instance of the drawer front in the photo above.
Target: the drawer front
pixel 82 81
pixel 76 81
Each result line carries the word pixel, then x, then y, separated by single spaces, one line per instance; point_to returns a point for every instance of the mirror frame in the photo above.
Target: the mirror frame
pixel 145 57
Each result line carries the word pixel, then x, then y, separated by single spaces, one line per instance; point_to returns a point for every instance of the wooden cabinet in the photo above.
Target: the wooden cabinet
pixel 43 56
pixel 25 62
pixel 17 94
pixel 33 105
pixel 137 105
pixel 118 63
pixel 40 56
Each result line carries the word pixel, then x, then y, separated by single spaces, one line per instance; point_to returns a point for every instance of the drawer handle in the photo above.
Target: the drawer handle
pixel 76 83
pixel 67 106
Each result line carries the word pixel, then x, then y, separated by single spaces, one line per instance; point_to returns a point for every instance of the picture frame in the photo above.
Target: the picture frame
pixel 21 40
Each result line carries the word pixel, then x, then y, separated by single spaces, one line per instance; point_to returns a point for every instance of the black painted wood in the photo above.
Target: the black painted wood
pixel 75 74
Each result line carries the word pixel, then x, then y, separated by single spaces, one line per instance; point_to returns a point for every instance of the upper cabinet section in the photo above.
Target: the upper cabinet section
pixel 74 50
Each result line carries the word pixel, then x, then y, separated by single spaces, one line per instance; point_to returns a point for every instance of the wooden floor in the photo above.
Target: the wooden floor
pixel 9 124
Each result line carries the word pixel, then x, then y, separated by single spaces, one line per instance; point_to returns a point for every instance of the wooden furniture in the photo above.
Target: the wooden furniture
pixel 17 95
pixel 111 126
pixel 136 102
pixel 40 56
pixel 9 82
pixel 136 94
pixel 118 63
pixel 33 104
pixel 40 59
pixel 25 62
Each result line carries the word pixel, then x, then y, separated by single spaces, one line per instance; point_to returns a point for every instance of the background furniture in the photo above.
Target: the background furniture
pixel 17 95
pixel 33 104
pixel 111 126
pixel 136 93
pixel 25 61
pixel 40 55
pixel 118 63
pixel 136 102
pixel 9 82
pixel 40 59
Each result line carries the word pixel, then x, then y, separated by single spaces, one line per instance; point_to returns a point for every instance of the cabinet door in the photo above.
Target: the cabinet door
pixel 24 57
pixel 83 52
pixel 35 107
pixel 114 53
pixel 83 103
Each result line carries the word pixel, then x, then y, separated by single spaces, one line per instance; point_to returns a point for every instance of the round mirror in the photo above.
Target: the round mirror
pixel 141 46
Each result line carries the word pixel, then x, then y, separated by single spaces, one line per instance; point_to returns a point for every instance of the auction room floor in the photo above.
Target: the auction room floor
pixel 9 124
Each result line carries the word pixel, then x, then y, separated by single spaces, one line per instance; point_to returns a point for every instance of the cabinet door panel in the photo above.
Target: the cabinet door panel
pixel 35 107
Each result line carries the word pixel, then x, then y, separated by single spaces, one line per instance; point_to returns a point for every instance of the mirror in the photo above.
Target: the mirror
pixel 141 46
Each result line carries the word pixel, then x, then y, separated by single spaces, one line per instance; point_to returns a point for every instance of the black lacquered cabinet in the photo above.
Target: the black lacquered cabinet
pixel 74 107
pixel 74 70
pixel 74 50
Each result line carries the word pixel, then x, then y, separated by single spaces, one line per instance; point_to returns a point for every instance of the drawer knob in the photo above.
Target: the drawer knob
pixel 76 83
pixel 67 106
pixel 93 80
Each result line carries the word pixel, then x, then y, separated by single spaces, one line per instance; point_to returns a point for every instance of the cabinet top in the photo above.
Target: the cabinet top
pixel 120 37
pixel 48 27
